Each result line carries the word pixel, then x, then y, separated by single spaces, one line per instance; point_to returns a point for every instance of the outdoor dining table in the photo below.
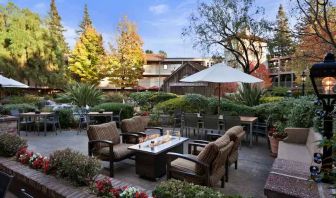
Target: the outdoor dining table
pixel 43 115
pixel 100 114
pixel 249 120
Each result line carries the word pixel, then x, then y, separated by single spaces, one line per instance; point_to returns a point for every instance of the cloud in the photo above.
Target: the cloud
pixel 159 9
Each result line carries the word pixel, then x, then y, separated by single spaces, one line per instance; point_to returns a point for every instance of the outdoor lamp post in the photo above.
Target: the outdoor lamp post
pixel 323 77
pixel 303 79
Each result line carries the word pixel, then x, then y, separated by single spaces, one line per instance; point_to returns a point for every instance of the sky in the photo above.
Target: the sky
pixel 159 22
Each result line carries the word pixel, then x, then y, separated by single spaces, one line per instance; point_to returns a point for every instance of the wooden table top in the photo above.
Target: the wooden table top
pixel 248 119
pixel 144 146
pixel 103 113
pixel 37 114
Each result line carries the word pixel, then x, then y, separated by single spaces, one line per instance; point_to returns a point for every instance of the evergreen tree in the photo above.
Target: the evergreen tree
pixel 86 20
pixel 57 45
pixel 86 61
pixel 128 57
pixel 282 43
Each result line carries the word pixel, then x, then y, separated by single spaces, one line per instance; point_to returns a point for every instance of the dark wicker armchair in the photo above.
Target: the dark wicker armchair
pixel 105 144
pixel 137 125
pixel 207 168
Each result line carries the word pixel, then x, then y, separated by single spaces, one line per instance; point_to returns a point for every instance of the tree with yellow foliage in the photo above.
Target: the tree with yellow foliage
pixel 127 58
pixel 87 61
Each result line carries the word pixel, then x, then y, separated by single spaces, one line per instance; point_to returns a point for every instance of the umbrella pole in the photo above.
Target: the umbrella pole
pixel 219 97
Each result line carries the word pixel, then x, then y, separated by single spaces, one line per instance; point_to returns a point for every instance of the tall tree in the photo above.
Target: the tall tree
pixel 57 45
pixel 87 60
pixel 86 21
pixel 232 26
pixel 128 56
pixel 282 43
pixel 163 53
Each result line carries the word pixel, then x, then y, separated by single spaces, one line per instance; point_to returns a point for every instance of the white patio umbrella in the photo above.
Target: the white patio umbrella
pixel 221 73
pixel 11 83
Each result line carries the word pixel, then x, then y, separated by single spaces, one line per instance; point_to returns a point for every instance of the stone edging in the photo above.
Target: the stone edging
pixel 41 185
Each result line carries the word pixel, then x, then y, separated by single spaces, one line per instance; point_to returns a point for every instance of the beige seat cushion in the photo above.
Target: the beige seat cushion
pixel 294 152
pixel 296 135
pixel 120 151
pixel 106 131
pixel 186 166
pixel 207 155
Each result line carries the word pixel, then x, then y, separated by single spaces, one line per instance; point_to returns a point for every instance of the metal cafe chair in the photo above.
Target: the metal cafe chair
pixel 191 123
pixel 26 122
pixel 117 118
pixel 211 125
pixel 5 181
pixel 54 122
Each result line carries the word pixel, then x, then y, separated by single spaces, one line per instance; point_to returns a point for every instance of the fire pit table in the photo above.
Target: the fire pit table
pixel 150 156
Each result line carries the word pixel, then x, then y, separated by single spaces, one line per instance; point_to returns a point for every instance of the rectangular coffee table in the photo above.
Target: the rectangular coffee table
pixel 151 162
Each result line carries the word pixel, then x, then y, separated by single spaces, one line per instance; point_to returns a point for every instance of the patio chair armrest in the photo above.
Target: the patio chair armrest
pixel 201 141
pixel 156 128
pixel 92 142
pixel 195 145
pixel 125 135
pixel 171 155
pixel 213 135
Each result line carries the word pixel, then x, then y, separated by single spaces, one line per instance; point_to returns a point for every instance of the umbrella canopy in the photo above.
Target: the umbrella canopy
pixel 10 83
pixel 221 73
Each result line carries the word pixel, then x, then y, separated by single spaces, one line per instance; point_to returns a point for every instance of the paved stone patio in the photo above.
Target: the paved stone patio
pixel 253 166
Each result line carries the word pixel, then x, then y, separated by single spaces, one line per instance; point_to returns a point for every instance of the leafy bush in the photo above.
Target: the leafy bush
pixel 74 166
pixel 10 144
pixel 239 109
pixel 268 99
pixel 30 99
pixel 174 188
pixel 149 99
pixel 248 95
pixel 83 94
pixel 279 91
pixel 114 97
pixel 24 107
pixel 188 103
pixel 127 110
pixel 66 118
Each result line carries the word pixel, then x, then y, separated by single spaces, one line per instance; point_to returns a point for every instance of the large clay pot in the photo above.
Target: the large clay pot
pixel 274 145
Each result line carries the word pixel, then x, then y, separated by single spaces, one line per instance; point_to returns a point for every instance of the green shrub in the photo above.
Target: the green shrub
pixel 279 91
pixel 239 109
pixel 24 107
pixel 66 118
pixel 197 101
pixel 74 166
pixel 148 99
pixel 268 99
pixel 83 94
pixel 116 97
pixel 30 99
pixel 10 144
pixel 189 103
pixel 174 188
pixel 127 110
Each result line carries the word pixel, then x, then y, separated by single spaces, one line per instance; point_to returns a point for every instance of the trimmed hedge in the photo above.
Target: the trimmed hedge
pixel 66 118
pixel 149 99
pixel 268 99
pixel 10 144
pixel 127 110
pixel 24 107
pixel 174 188
pixel 31 99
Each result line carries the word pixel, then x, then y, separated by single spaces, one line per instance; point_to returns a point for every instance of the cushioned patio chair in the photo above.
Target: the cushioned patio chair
pixel 24 194
pixel 207 168
pixel 105 144
pixel 236 134
pixel 137 125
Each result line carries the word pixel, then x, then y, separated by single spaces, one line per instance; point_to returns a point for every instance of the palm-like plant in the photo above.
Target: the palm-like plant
pixel 83 94
pixel 248 95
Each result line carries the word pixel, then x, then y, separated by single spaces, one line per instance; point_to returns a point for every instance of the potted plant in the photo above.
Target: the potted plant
pixel 275 134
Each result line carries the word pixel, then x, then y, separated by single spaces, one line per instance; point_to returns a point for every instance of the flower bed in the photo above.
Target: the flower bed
pixel 104 188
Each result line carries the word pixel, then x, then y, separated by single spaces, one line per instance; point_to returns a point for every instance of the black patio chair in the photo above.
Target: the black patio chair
pixel 211 125
pixel 54 122
pixel 260 129
pixel 230 121
pixel 177 119
pixel 117 117
pixel 24 194
pixel 5 181
pixel 191 123
pixel 25 122
pixel 83 120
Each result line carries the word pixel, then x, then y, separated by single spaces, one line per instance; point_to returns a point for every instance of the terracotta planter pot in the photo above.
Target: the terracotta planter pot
pixel 274 145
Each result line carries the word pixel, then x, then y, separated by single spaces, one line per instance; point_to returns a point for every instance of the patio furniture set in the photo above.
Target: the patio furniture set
pixel 156 154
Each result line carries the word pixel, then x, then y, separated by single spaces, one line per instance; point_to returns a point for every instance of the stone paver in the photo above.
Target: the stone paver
pixel 253 166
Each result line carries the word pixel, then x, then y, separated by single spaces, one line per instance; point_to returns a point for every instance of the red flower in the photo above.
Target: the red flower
pixel 141 195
